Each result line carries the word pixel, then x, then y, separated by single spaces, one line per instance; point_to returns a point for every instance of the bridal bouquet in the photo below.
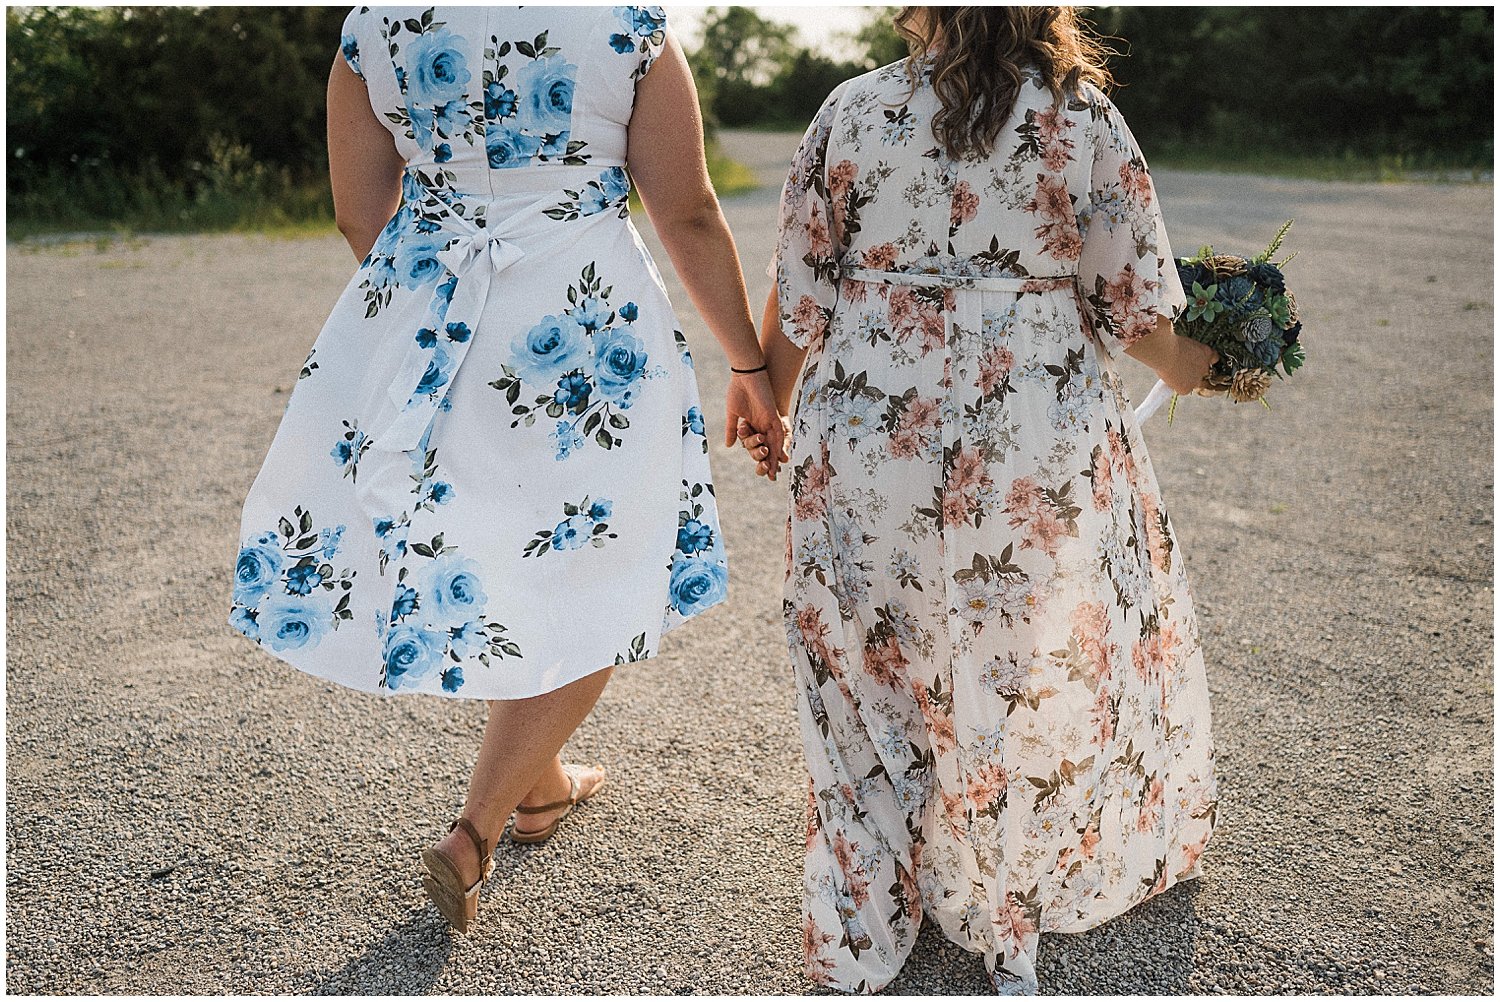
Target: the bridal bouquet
pixel 1240 307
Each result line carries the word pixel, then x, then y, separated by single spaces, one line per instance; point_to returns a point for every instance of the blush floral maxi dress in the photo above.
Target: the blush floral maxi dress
pixel 492 477
pixel 1002 695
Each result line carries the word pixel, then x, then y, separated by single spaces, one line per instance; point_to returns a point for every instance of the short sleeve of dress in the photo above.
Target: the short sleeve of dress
pixel 639 31
pixel 349 40
pixel 1126 268
pixel 806 265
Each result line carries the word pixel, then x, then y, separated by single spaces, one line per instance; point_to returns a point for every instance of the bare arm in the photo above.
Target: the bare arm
pixel 784 360
pixel 782 356
pixel 668 166
pixel 670 171
pixel 363 162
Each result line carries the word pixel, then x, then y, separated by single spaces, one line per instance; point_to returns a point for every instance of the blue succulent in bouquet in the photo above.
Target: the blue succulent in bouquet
pixel 1241 308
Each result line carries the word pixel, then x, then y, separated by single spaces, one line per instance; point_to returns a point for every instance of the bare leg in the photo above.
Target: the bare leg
pixel 522 739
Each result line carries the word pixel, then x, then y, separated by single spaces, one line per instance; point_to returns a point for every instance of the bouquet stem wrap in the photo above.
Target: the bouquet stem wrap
pixel 1160 394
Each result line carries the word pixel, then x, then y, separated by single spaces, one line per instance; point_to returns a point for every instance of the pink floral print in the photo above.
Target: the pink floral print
pixel 1001 689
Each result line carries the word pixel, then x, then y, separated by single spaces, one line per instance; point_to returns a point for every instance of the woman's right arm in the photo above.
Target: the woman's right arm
pixel 363 162
pixel 1126 267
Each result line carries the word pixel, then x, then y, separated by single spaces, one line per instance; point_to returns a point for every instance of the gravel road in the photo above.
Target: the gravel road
pixel 185 815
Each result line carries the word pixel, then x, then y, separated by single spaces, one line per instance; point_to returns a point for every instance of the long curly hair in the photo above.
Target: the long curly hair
pixel 978 55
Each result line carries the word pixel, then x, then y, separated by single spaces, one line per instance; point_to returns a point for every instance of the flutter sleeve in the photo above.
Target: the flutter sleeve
pixel 806 263
pixel 1126 268
pixel 350 45
pixel 639 32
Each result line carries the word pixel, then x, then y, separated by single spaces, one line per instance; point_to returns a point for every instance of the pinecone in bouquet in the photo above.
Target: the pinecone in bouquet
pixel 1240 307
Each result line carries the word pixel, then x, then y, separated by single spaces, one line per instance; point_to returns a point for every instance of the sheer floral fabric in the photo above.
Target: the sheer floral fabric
pixel 1001 690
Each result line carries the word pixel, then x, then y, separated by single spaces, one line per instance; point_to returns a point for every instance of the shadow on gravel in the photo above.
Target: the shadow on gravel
pixel 407 961
pixel 1147 951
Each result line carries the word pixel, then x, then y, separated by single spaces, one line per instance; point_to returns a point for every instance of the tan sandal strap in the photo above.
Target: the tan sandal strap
pixel 572 800
pixel 480 845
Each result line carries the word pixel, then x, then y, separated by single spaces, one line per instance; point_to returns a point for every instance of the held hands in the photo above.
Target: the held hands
pixel 750 414
pixel 757 444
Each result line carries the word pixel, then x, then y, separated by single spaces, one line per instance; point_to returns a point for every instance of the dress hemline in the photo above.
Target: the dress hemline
pixel 568 678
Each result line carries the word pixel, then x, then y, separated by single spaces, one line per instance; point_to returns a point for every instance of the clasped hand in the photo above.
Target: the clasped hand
pixel 751 418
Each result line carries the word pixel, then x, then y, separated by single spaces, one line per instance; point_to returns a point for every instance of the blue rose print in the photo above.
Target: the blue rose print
pixel 506 147
pixel 621 43
pixel 591 313
pixel 499 101
pixel 404 604
pixel 694 537
pixel 584 523
pixel 629 312
pixel 302 579
pixel 350 47
pixel 412 654
pixel 417 261
pixel 329 540
pixel 453 679
pixel 616 184
pixel 290 622
pixel 567 438
pixel 573 392
pixel 439 68
pixel 619 363
pixel 592 201
pixel 451 589
pixel 546 87
pixel 696 584
pixel 243 619
pixel 439 371
pixel 695 421
pixel 571 533
pixel 549 349
pixel 467 639
pixel 257 569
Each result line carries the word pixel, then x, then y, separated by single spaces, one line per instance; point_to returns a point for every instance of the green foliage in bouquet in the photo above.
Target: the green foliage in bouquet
pixel 1240 307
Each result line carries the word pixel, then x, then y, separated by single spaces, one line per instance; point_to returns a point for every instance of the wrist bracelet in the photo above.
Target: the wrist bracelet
pixel 748 372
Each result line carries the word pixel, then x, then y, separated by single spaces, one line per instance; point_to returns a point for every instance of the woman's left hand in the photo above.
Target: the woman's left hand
pixel 759 446
pixel 750 409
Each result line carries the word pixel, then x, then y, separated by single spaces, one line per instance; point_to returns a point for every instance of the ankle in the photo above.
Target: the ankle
pixel 552 785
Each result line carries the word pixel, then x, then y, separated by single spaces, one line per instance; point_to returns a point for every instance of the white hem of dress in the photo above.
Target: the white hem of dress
pixel 568 679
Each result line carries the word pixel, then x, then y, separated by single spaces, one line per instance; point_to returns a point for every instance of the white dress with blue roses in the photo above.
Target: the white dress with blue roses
pixel 492 477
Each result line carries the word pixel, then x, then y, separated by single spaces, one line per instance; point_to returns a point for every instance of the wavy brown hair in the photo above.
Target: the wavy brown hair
pixel 978 54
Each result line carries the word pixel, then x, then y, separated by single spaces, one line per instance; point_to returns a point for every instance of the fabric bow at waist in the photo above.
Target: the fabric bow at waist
pixel 478 234
pixel 474 255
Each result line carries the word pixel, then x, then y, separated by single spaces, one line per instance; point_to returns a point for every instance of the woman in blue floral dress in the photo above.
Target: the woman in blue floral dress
pixel 492 478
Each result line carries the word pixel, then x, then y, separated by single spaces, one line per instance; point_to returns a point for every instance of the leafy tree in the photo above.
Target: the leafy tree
pixel 737 63
pixel 877 38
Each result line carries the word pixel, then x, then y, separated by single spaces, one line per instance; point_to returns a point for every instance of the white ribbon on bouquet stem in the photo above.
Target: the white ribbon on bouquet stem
pixel 1160 394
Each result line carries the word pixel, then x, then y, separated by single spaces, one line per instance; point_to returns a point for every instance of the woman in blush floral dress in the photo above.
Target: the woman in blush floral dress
pixel 492 481
pixel 1002 696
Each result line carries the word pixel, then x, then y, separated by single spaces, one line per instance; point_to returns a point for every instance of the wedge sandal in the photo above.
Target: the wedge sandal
pixel 445 885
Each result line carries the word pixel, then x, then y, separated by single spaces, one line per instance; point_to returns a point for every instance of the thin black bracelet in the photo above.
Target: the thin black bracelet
pixel 748 372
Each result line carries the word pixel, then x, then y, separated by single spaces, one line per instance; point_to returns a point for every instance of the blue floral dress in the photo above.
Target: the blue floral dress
pixel 492 476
